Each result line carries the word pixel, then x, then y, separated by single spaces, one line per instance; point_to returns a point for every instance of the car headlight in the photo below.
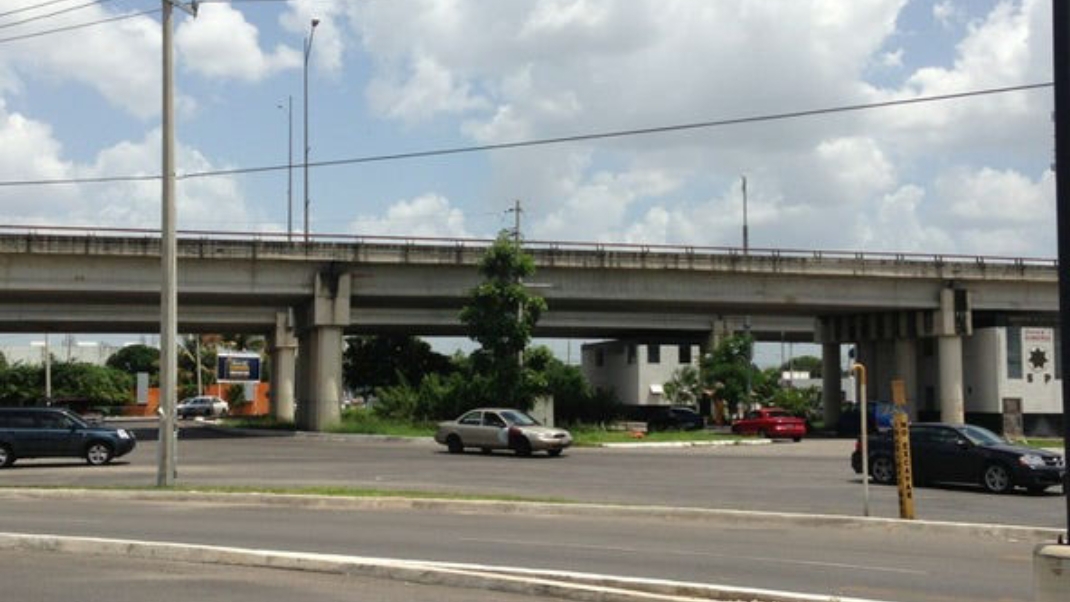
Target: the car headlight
pixel 1031 460
pixel 123 434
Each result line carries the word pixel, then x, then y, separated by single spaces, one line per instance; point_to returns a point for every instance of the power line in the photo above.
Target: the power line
pixel 53 14
pixel 552 141
pixel 31 7
pixel 78 26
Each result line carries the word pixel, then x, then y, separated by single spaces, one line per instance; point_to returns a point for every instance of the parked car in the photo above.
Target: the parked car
pixel 202 405
pixel 675 418
pixel 54 432
pixel 772 423
pixel 963 453
pixel 501 428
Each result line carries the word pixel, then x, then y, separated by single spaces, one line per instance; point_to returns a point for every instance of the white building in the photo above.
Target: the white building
pixel 635 372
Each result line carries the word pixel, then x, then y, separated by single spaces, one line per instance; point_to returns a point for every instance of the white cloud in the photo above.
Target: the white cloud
pixel 29 151
pixel 221 44
pixel 997 197
pixel 121 62
pixel 947 13
pixel 431 90
pixel 428 215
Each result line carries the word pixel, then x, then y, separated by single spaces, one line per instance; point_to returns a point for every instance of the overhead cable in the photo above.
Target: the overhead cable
pixel 552 141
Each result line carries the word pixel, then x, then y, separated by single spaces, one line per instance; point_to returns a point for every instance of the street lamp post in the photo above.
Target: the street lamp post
pixel 308 52
pixel 289 167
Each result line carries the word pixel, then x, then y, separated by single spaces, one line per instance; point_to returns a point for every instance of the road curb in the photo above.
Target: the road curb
pixel 556 584
pixel 728 517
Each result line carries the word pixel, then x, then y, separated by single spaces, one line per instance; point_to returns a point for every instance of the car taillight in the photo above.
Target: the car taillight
pixel 858 445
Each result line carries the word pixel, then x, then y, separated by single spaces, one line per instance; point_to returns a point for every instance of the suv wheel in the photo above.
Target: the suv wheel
pixel 98 453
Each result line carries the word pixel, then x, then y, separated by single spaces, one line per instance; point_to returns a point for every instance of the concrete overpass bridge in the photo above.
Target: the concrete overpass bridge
pixel 306 296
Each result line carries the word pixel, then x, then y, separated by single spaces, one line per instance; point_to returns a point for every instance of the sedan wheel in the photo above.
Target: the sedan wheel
pixel 997 479
pixel 883 470
pixel 6 457
pixel 98 454
pixel 454 445
pixel 522 446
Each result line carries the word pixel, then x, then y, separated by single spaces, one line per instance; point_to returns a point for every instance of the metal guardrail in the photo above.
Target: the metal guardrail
pixel 296 241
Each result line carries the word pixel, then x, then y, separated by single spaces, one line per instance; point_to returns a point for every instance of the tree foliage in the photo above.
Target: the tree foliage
pixel 501 315
pixel 137 358
pixel 25 385
pixel 371 362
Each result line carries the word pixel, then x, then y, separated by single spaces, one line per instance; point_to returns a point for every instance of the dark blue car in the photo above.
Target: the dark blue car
pixel 55 433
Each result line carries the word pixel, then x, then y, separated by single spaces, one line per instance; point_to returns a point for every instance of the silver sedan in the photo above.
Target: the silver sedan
pixel 501 428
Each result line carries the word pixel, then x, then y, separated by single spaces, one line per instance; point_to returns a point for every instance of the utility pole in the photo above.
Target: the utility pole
pixel 1061 66
pixel 520 302
pixel 746 319
pixel 168 441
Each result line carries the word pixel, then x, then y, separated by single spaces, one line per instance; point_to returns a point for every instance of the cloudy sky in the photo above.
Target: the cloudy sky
pixel 390 77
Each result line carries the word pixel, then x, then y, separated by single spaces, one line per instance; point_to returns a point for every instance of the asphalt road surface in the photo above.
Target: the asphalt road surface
pixel 39 576
pixel 883 563
pixel 812 477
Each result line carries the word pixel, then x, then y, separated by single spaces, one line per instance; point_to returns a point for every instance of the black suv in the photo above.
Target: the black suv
pixel 963 453
pixel 52 432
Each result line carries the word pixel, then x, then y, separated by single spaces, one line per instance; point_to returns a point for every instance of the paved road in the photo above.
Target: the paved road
pixel 50 576
pixel 808 477
pixel 877 562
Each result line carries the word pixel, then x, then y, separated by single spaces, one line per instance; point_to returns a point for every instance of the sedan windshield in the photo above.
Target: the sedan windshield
pixel 981 436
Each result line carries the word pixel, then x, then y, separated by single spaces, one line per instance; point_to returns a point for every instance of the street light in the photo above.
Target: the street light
pixel 308 52
pixel 289 167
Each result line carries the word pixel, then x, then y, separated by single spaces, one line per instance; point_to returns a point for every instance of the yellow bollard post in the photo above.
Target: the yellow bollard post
pixel 903 468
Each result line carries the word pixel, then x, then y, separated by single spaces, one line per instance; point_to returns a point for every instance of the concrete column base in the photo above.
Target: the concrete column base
pixel 1051 572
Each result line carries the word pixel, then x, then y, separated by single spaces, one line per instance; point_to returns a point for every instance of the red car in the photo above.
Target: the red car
pixel 773 423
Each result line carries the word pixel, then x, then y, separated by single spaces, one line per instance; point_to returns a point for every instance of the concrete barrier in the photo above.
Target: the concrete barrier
pixel 1051 572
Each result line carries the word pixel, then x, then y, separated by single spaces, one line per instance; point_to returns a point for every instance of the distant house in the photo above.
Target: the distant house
pixel 635 372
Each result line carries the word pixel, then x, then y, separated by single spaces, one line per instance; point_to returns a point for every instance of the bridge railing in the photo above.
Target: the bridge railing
pixel 296 240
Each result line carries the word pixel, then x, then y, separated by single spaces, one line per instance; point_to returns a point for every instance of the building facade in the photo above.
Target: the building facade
pixel 635 372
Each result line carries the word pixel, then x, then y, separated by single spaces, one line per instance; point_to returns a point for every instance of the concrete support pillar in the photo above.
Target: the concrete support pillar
pixel 321 397
pixel 283 368
pixel 952 404
pixel 831 382
pixel 906 369
pixel 952 321
pixel 319 374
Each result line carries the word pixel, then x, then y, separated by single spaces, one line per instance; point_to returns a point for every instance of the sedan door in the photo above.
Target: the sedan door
pixel 952 458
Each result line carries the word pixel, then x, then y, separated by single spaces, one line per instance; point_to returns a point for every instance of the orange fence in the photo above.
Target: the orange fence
pixel 260 405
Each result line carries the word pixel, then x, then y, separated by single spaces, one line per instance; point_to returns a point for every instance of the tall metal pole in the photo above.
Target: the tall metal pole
pixel 289 167
pixel 167 448
pixel 746 319
pixel 1061 65
pixel 860 370
pixel 48 371
pixel 165 474
pixel 308 52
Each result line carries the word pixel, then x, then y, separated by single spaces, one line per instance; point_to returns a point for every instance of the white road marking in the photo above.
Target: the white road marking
pixel 766 559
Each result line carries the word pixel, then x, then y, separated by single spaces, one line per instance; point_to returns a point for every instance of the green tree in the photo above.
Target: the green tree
pixel 371 362
pixel 25 385
pixel 500 316
pixel 3 362
pixel 137 358
pixel 728 369
pixel 685 386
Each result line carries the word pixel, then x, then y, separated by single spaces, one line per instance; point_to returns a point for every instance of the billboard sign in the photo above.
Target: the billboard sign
pixel 237 367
